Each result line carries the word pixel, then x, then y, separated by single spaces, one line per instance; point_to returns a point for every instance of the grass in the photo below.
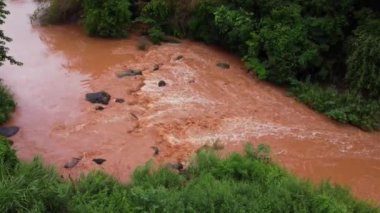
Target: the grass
pixel 7 104
pixel 238 183
pixel 344 107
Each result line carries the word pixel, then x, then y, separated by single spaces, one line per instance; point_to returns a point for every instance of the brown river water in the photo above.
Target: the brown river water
pixel 200 104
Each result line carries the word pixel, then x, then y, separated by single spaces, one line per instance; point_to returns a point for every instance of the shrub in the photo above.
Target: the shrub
pixel 282 44
pixel 344 107
pixel 363 63
pixel 156 13
pixel 7 104
pixel 156 35
pixel 58 12
pixel 8 159
pixel 234 27
pixel 110 18
pixel 33 188
pixel 238 183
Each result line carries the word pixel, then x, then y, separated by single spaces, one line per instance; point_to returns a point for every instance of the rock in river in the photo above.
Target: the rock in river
pixel 9 131
pixel 98 97
pixel 119 100
pixel 161 83
pixel 72 163
pixel 99 161
pixel 129 73
pixel 223 65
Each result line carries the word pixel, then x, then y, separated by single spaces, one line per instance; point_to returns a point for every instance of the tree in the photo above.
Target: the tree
pixel 4 39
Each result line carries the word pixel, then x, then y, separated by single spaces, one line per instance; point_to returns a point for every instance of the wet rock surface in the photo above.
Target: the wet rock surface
pixel 99 108
pixel 156 150
pixel 101 97
pixel 156 67
pixel 72 163
pixel 99 161
pixel 9 131
pixel 223 66
pixel 119 100
pixel 129 73
pixel 161 83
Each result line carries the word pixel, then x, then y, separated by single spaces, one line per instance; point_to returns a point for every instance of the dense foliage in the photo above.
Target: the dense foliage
pixel 327 43
pixel 4 39
pixel 7 104
pixel 109 18
pixel 239 183
pixel 321 42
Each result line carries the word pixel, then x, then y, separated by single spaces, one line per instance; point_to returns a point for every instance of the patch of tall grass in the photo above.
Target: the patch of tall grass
pixel 7 104
pixel 238 183
pixel 345 107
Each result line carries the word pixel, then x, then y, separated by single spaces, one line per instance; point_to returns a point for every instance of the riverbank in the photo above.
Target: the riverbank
pixel 249 183
pixel 201 103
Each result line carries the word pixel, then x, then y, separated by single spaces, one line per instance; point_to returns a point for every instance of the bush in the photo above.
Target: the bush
pixel 8 159
pixel 234 27
pixel 7 104
pixel 283 46
pixel 58 12
pixel 363 63
pixel 156 13
pixel 29 187
pixel 238 183
pixel 156 35
pixel 344 107
pixel 110 19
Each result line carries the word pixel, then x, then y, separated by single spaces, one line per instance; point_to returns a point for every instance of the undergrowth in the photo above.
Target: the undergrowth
pixel 344 107
pixel 7 104
pixel 238 183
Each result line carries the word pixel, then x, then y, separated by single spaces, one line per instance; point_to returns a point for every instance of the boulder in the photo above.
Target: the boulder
pixel 98 97
pixel 9 131
pixel 129 73
pixel 99 108
pixel 119 100
pixel 177 166
pixel 161 83
pixel 156 150
pixel 223 65
pixel 99 161
pixel 72 163
pixel 156 67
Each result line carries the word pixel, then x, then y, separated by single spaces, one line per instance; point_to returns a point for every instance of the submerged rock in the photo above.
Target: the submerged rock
pixel 223 65
pixel 156 150
pixel 99 161
pixel 72 163
pixel 9 131
pixel 98 97
pixel 129 73
pixel 156 67
pixel 99 108
pixel 177 166
pixel 119 100
pixel 161 83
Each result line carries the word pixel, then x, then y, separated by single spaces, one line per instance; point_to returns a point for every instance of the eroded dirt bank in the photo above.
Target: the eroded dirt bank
pixel 201 103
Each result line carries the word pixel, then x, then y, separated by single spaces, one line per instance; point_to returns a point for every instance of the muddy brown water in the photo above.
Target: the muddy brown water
pixel 200 104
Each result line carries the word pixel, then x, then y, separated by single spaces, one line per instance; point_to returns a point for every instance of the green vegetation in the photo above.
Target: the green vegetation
pixel 324 44
pixel 58 12
pixel 4 39
pixel 239 183
pixel 344 107
pixel 7 104
pixel 109 18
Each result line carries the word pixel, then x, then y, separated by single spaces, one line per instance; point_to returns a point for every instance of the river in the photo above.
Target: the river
pixel 201 103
